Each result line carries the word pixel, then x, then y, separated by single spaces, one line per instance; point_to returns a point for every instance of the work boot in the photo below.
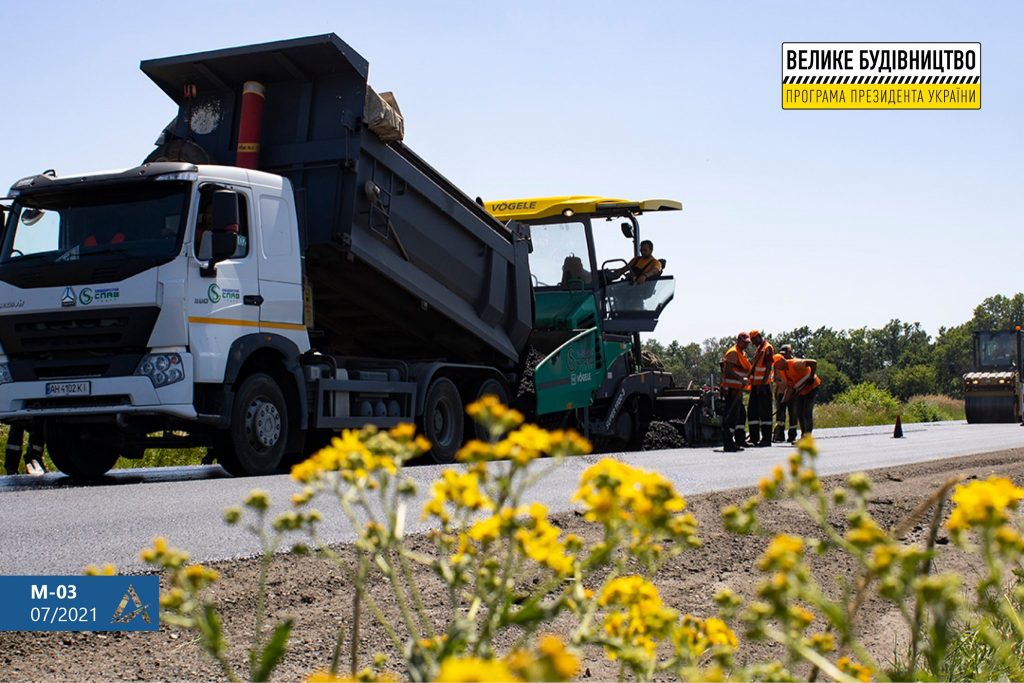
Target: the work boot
pixel 792 436
pixel 766 436
pixel 12 458
pixel 35 468
pixel 779 435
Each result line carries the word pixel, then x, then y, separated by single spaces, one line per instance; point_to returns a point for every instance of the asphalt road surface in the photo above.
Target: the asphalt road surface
pixel 54 526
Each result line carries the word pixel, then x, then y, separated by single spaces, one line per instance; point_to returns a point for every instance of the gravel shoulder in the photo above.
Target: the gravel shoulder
pixel 320 599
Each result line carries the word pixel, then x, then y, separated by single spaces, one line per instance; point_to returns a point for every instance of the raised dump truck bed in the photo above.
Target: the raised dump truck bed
pixel 401 263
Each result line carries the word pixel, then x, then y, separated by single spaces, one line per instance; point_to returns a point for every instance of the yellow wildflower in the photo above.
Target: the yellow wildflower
pixel 551 661
pixel 459 489
pixel 801 616
pixel 718 633
pixel 493 415
pixel 403 432
pixel 866 533
pixel 614 494
pixel 564 663
pixel 475 451
pixel 783 553
pixel 858 671
pixel 983 503
pixel 469 669
pixel 486 530
pixel 822 642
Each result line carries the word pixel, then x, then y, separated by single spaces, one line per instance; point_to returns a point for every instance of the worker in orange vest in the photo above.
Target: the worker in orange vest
pixel 735 376
pixel 759 408
pixel 803 380
pixel 783 408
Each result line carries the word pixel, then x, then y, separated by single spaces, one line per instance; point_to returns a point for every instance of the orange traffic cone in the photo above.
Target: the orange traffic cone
pixel 897 433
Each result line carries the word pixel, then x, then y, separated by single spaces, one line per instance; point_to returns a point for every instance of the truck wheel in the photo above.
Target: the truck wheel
pixel 443 420
pixel 254 443
pixel 494 388
pixel 625 430
pixel 630 426
pixel 80 452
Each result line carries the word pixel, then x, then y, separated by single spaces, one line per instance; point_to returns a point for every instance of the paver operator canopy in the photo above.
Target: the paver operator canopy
pixel 563 258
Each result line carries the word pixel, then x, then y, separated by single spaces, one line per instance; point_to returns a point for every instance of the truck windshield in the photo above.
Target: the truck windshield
pixel 134 219
pixel 560 257
pixel 997 349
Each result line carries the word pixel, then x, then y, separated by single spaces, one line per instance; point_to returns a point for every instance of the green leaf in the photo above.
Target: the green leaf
pixel 212 633
pixel 273 651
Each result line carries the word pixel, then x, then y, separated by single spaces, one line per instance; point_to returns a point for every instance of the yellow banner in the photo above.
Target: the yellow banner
pixel 881 96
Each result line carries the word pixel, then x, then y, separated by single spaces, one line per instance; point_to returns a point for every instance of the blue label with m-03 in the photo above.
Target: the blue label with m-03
pixel 80 603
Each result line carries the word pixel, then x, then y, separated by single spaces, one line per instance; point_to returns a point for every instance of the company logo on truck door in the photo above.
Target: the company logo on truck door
pixel 214 295
pixel 581 363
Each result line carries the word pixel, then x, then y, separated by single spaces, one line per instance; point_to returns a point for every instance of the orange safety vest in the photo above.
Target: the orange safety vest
pixel 780 374
pixel 640 265
pixel 764 359
pixel 796 371
pixel 741 360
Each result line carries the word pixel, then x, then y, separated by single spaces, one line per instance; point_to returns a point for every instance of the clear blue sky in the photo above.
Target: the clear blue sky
pixel 837 218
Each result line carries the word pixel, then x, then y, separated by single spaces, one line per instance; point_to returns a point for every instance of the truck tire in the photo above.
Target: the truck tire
pixel 254 444
pixel 630 426
pixel 494 388
pixel 443 420
pixel 81 452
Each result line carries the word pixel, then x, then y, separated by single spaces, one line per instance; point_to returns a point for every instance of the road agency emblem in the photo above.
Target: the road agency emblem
pixel 881 75
pixel 124 616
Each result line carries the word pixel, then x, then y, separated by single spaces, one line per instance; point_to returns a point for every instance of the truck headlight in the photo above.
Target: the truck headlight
pixel 161 368
pixel 5 374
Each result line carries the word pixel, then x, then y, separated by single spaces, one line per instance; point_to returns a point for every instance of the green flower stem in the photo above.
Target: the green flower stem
pixel 357 612
pixel 581 636
pixel 809 655
pixel 400 598
pixel 381 619
pixel 939 500
pixel 503 593
pixel 425 623
pixel 269 547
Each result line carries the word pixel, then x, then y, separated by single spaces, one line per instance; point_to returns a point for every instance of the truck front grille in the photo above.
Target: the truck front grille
pixel 78 402
pixel 69 334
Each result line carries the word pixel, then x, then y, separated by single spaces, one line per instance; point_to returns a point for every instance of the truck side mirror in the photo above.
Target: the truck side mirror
pixel 223 244
pixel 225 211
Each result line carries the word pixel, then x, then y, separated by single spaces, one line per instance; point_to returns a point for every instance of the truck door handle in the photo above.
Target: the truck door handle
pixel 252 300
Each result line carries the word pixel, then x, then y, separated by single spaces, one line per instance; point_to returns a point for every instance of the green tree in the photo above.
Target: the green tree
pixel 899 344
pixel 951 358
pixel 833 380
pixel 999 313
pixel 866 395
pixel 912 381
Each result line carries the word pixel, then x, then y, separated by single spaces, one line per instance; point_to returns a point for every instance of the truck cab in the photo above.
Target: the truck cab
pixel 124 294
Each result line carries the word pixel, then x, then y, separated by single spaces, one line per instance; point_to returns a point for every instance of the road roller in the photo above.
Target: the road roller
pixel 992 390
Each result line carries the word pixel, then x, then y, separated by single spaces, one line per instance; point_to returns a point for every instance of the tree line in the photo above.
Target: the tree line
pixel 900 357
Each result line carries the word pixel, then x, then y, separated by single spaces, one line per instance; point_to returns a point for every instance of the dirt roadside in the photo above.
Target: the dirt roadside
pixel 320 599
